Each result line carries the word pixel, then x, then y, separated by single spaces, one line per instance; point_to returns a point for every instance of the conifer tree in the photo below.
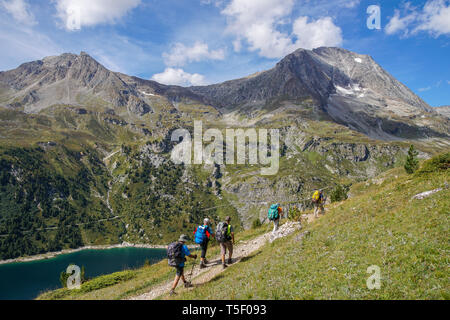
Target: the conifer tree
pixel 412 164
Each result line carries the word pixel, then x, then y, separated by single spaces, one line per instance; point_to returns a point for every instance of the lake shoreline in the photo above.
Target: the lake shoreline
pixel 50 255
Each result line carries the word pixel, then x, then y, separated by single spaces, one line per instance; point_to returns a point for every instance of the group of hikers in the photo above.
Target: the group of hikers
pixel 178 251
pixel 224 235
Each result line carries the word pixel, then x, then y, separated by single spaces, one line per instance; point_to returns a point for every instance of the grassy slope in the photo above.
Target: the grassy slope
pixel 380 225
pixel 129 283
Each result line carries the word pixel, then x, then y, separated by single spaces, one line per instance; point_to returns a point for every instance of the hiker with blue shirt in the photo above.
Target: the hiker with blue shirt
pixel 202 234
pixel 176 254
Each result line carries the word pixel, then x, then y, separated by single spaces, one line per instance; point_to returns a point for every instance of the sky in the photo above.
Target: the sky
pixel 197 42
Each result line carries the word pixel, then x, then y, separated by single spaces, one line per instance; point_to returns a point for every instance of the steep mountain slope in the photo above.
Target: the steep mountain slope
pixel 349 88
pixel 444 110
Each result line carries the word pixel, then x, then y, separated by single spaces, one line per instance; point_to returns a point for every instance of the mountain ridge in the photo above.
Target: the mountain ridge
pixel 346 87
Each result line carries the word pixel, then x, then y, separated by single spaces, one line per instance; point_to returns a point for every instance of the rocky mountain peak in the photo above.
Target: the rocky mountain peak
pixel 69 79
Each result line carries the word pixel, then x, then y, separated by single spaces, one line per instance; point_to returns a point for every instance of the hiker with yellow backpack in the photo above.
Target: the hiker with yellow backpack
pixel 318 202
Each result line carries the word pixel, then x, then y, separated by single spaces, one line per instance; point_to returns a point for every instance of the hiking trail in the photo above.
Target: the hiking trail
pixel 241 250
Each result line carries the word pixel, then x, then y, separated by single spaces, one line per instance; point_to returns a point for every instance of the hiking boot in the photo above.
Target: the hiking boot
pixel 224 266
pixel 202 266
pixel 172 292
pixel 205 261
pixel 188 285
pixel 229 261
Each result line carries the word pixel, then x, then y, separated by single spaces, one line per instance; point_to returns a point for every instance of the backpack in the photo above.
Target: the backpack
pixel 175 254
pixel 200 234
pixel 316 197
pixel 222 232
pixel 273 212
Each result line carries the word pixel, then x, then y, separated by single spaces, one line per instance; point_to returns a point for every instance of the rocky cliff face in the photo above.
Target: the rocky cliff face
pixel 310 162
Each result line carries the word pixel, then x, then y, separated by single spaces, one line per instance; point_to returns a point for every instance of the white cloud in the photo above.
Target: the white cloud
pixel 217 3
pixel 181 54
pixel 351 3
pixel 322 32
pixel 434 18
pixel 397 24
pixel 258 23
pixel 179 77
pixel 19 9
pixel 75 14
pixel 424 89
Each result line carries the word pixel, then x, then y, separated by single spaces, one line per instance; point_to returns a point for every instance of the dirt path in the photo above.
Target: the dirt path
pixel 243 249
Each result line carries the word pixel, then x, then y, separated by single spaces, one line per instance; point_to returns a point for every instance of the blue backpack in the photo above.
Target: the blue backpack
pixel 273 212
pixel 200 234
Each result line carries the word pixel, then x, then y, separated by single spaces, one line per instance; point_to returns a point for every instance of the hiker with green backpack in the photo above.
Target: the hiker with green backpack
pixel 225 237
pixel 176 255
pixel 274 215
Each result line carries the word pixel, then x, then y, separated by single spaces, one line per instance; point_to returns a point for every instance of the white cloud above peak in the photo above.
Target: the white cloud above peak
pixel 181 54
pixel 434 18
pixel 176 76
pixel 258 24
pixel 75 14
pixel 318 33
pixel 19 9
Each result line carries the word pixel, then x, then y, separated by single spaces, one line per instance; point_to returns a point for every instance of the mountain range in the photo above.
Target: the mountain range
pixel 81 144
pixel 348 88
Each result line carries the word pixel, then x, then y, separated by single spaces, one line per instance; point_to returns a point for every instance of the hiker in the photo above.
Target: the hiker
pixel 202 234
pixel 318 201
pixel 225 236
pixel 176 254
pixel 274 215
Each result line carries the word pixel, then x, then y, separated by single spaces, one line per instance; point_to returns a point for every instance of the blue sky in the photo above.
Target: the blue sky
pixel 208 41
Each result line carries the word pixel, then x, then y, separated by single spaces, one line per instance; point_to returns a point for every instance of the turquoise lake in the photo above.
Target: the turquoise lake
pixel 26 280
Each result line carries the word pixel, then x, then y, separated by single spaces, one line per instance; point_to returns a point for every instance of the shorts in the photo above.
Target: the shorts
pixel 180 270
pixel 224 246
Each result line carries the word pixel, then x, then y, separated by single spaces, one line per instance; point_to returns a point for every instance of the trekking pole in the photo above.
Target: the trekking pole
pixel 192 270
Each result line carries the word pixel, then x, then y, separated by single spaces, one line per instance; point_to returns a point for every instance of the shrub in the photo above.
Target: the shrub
pixel 339 193
pixel 256 223
pixel 437 163
pixel 295 213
